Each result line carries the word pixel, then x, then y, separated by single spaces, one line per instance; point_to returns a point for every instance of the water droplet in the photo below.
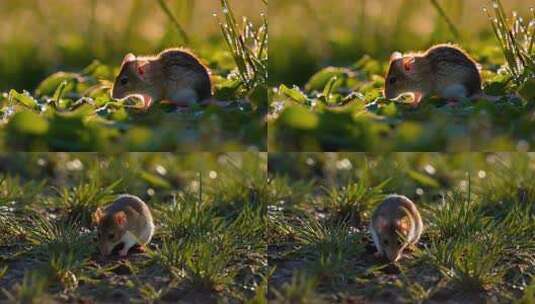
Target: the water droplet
pixel 430 169
pixel 9 111
pixel 344 164
pixel 161 170
pixel 74 165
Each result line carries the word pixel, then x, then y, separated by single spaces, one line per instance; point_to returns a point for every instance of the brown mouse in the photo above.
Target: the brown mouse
pixel 444 70
pixel 395 224
pixel 127 220
pixel 174 76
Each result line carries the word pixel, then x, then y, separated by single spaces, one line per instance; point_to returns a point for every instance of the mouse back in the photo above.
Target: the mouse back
pixel 451 64
pixel 126 213
pixel 181 65
pixel 395 224
pixel 397 213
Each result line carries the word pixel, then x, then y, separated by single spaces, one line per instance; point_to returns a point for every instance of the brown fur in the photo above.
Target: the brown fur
pixel 393 220
pixel 171 70
pixel 437 68
pixel 127 213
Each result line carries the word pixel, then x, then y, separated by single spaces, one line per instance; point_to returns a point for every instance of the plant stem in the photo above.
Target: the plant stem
pixel 171 17
pixel 442 13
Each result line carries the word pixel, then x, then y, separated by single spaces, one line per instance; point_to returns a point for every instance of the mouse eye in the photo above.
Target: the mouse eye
pixel 110 236
pixel 124 80
pixel 392 80
pixel 385 242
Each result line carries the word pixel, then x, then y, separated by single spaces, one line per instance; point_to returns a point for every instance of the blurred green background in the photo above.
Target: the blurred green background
pixel 306 35
pixel 40 37
pixel 152 176
pixel 422 176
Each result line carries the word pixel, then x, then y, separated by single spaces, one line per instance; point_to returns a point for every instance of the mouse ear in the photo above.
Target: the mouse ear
pixel 396 56
pixel 129 57
pixel 120 218
pixel 408 63
pixel 403 225
pixel 141 68
pixel 97 216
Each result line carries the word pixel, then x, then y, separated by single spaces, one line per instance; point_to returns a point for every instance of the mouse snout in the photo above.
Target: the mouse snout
pixel 390 93
pixel 115 93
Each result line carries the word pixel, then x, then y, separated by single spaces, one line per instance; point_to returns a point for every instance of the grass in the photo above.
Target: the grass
pixel 70 107
pixel 477 244
pixel 338 105
pixel 248 46
pixel 516 39
pixel 208 247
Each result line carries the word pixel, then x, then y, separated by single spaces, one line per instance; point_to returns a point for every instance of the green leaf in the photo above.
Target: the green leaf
pixel 369 65
pixel 27 122
pixel 423 179
pixel 293 93
pixel 25 100
pixel 48 86
pixel 155 180
pixel 119 115
pixel 390 110
pixel 329 88
pixel 227 89
pixel 319 80
pixel 59 91
pixel 299 118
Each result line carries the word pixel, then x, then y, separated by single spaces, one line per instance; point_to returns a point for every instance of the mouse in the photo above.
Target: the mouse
pixel 127 220
pixel 395 224
pixel 176 76
pixel 444 70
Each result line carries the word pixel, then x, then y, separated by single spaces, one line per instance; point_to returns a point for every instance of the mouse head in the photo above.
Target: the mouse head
pixel 401 76
pixel 111 228
pixel 393 236
pixel 132 78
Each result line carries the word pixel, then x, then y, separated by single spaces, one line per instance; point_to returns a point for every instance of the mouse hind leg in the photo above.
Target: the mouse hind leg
pixel 146 234
pixel 454 92
pixel 183 98
pixel 128 240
